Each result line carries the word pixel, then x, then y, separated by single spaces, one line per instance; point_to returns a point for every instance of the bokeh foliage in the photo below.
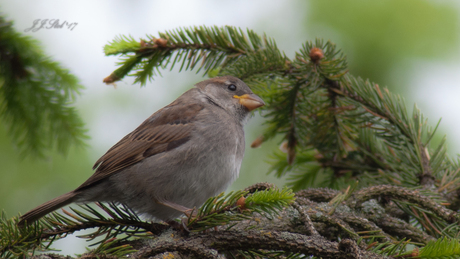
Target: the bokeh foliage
pixel 38 123
pixel 381 36
pixel 36 97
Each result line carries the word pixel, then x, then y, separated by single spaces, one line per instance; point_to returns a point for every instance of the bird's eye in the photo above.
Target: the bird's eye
pixel 232 87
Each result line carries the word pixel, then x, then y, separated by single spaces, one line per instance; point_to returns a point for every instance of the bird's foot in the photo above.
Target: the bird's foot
pixel 179 226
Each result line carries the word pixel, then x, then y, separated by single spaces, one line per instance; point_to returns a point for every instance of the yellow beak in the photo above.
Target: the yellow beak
pixel 250 101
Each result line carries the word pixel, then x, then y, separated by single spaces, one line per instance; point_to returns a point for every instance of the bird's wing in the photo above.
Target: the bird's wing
pixel 165 130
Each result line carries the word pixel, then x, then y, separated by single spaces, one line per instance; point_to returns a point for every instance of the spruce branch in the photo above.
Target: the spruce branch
pixel 403 194
pixel 441 248
pixel 15 242
pixel 318 194
pixel 254 232
pixel 394 250
pixel 275 240
pixel 259 187
pixel 398 228
pixel 40 235
pixel 311 231
pixel 238 206
pixel 398 131
pixel 428 214
pixel 201 47
pixel 263 240
pixel 121 220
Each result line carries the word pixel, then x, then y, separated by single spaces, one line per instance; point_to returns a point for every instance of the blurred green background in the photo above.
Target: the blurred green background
pixel 410 46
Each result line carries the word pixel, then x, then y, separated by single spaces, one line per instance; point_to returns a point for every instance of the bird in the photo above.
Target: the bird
pixel 183 154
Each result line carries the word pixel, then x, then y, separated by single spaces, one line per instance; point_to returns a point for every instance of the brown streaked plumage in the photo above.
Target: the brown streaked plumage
pixel 152 137
pixel 176 159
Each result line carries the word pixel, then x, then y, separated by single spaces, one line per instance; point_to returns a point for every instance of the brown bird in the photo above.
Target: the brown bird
pixel 180 156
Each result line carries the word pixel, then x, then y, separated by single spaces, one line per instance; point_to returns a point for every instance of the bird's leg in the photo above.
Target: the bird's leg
pixel 187 211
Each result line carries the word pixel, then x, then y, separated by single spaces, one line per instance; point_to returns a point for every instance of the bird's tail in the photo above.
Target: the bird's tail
pixel 47 207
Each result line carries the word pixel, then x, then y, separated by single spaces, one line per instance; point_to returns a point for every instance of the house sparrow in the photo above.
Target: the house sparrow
pixel 175 160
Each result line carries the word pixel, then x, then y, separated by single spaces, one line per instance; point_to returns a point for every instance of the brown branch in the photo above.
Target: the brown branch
pixel 311 231
pixel 193 246
pixel 333 226
pixel 318 194
pixel 210 245
pixel 426 178
pixel 399 228
pixel 403 194
pixel 259 187
pixel 361 224
pixel 286 241
pixel 291 135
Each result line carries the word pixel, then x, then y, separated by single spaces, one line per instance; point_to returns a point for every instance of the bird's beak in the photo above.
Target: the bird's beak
pixel 250 101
